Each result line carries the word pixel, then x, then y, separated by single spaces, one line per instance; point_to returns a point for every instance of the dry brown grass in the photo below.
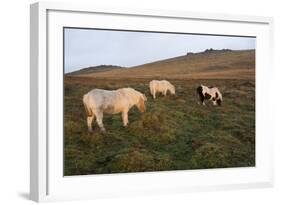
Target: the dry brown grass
pixel 224 65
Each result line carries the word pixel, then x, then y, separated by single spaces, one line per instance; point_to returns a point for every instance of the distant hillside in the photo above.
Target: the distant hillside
pixel 210 64
pixel 94 69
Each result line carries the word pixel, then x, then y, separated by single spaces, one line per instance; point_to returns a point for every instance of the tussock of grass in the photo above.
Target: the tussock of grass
pixel 154 128
pixel 140 160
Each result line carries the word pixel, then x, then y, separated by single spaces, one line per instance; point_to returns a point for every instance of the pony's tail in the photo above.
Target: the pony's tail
pixel 151 88
pixel 85 103
pixel 200 93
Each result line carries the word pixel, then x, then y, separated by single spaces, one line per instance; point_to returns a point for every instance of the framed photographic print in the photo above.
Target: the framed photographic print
pixel 127 102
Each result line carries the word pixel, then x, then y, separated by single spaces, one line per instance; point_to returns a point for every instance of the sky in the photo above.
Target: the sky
pixel 90 47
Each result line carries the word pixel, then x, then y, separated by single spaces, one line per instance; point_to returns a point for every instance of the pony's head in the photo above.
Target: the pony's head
pixel 218 97
pixel 135 98
pixel 141 102
pixel 219 100
pixel 172 89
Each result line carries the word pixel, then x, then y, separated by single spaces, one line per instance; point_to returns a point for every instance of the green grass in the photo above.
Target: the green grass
pixel 175 133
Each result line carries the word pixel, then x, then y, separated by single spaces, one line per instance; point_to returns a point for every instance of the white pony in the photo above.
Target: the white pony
pixel 98 101
pixel 161 86
pixel 209 93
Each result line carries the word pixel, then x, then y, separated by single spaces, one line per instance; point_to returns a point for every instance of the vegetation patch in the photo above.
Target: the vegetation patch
pixel 175 132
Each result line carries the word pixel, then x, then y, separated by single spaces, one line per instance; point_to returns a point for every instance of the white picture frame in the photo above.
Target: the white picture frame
pixel 47 182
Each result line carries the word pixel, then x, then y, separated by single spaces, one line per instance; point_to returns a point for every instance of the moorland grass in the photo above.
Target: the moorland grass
pixel 175 133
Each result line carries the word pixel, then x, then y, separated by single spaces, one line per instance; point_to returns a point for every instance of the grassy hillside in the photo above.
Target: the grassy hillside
pixel 211 64
pixel 175 132
pixel 93 69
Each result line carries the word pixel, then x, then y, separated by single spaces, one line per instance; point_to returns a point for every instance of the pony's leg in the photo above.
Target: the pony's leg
pixel 165 92
pixel 151 90
pixel 154 94
pixel 201 99
pixel 125 118
pixel 89 122
pixel 214 103
pixel 202 102
pixel 99 117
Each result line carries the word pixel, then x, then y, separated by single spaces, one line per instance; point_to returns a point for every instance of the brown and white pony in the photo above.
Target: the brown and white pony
pixel 209 93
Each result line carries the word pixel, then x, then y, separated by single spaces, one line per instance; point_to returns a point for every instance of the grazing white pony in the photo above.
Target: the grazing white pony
pixel 209 93
pixel 161 86
pixel 98 101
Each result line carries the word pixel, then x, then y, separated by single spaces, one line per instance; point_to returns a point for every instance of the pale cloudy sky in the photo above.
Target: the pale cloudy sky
pixel 90 47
